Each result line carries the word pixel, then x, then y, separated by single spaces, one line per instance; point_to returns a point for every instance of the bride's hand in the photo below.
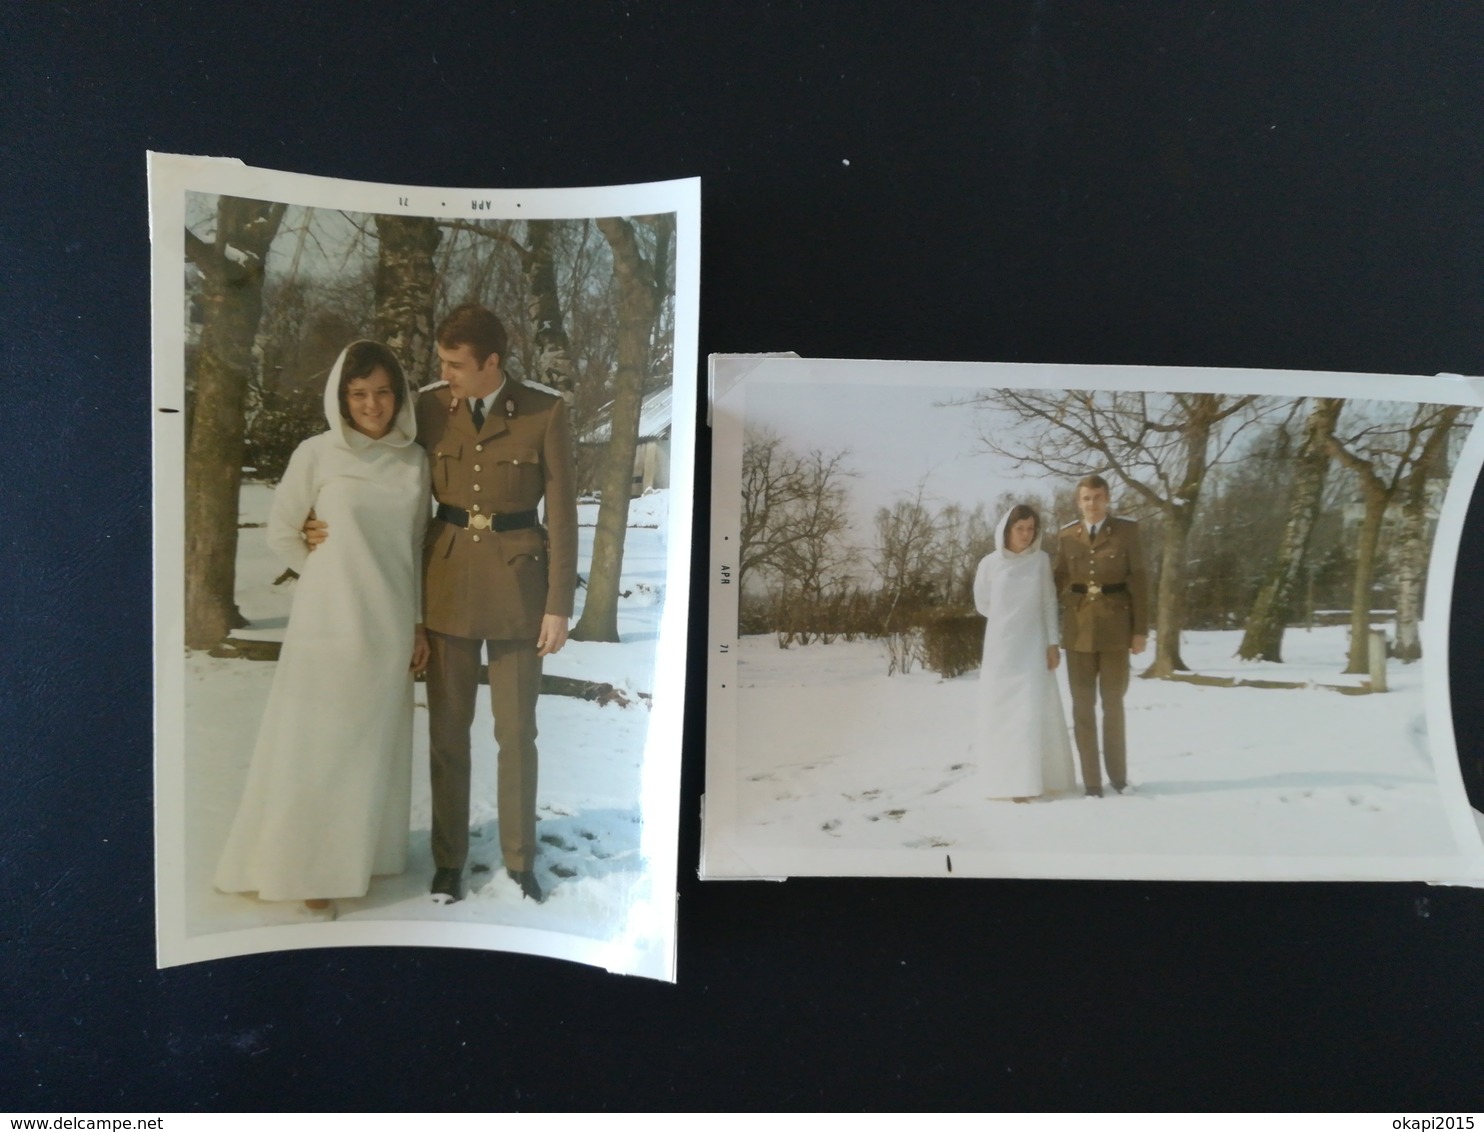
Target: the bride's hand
pixel 420 650
pixel 1053 658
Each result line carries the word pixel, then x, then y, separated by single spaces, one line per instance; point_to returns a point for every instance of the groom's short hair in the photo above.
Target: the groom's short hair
pixel 476 327
pixel 1098 483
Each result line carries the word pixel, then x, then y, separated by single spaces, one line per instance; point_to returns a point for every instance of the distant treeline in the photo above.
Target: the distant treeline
pixel 1256 513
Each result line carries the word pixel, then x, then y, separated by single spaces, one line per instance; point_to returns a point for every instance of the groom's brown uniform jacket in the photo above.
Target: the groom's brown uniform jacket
pixel 1105 622
pixel 496 585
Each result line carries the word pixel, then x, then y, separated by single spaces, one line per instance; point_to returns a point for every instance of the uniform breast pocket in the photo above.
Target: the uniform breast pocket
pixel 518 474
pixel 446 460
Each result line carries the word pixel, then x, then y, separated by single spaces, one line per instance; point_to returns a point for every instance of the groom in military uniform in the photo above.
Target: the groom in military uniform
pixel 1105 601
pixel 496 581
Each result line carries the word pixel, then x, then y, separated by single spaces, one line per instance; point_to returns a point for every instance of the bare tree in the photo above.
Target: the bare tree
pixel 1273 607
pixel 795 515
pixel 232 268
pixel 1413 546
pixel 963 538
pixel 1383 456
pixel 1159 446
pixel 905 535
pixel 552 363
pixel 643 285
pixel 406 276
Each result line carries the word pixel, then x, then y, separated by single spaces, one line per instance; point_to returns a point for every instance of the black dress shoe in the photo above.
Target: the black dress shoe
pixel 448 883
pixel 526 878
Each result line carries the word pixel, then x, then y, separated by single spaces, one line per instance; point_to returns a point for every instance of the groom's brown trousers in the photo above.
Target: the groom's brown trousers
pixel 453 684
pixel 1092 676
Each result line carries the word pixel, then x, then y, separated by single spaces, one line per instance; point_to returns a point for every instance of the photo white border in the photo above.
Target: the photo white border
pixel 724 857
pixel 648 948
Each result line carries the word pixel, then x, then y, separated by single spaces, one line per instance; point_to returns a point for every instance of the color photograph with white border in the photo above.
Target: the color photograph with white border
pixel 260 281
pixel 893 693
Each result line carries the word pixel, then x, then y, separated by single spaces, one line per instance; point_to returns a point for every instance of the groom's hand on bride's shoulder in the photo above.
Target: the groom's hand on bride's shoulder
pixel 315 531
pixel 1053 658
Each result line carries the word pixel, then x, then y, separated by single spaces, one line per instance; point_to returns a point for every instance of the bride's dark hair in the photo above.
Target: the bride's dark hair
pixel 1017 513
pixel 362 359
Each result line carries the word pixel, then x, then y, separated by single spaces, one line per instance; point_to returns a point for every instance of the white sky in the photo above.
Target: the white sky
pixel 896 435
pixel 324 238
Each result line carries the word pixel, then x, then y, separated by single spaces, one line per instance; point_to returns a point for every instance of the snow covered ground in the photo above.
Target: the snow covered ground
pixel 840 768
pixel 590 777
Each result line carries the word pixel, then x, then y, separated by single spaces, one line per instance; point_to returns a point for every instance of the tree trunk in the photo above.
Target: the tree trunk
pixel 1412 542
pixel 639 290
pixel 1169 606
pixel 1412 557
pixel 1376 498
pixel 1273 607
pixel 553 364
pixel 1205 410
pixel 232 269
pixel 405 279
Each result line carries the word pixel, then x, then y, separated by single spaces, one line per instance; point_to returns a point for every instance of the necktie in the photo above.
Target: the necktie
pixel 477 413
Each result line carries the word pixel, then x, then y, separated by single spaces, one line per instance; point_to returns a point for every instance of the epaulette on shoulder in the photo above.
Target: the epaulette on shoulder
pixel 1069 526
pixel 433 386
pixel 540 392
pixel 1121 519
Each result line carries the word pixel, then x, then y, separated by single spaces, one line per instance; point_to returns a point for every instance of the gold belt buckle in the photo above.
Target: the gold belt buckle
pixel 1093 589
pixel 479 522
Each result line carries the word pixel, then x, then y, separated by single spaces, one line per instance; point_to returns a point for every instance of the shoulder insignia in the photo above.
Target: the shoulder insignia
pixel 1069 526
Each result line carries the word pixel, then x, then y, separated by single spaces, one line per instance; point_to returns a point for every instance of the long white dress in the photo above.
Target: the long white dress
pixel 1022 734
pixel 328 796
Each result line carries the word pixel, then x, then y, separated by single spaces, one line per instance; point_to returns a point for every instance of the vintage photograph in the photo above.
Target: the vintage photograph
pixel 423 465
pixel 1084 621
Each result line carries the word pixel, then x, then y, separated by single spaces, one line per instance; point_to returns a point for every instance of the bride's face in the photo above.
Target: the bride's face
pixel 1021 534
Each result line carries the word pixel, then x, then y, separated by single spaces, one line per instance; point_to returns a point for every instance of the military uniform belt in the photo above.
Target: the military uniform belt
pixel 1095 589
pixel 479 521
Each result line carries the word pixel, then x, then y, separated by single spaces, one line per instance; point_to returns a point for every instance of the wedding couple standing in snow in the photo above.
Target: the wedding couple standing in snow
pixel 1095 601
pixel 328 795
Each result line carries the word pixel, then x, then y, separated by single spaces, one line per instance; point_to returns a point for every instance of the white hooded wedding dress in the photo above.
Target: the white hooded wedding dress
pixel 1022 740
pixel 328 796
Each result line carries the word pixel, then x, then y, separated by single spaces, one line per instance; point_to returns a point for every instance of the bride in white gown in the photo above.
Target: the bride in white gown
pixel 328 795
pixel 1024 751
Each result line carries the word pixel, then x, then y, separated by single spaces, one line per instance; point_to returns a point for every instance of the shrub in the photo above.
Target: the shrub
pixel 284 420
pixel 952 643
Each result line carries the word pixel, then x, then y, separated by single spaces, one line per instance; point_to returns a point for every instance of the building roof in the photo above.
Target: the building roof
pixel 654 419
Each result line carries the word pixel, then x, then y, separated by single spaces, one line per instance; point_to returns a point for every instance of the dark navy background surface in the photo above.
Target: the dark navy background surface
pixel 1222 184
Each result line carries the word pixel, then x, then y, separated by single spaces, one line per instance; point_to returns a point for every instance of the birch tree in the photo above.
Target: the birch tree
pixel 1262 638
pixel 1383 456
pixel 1413 547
